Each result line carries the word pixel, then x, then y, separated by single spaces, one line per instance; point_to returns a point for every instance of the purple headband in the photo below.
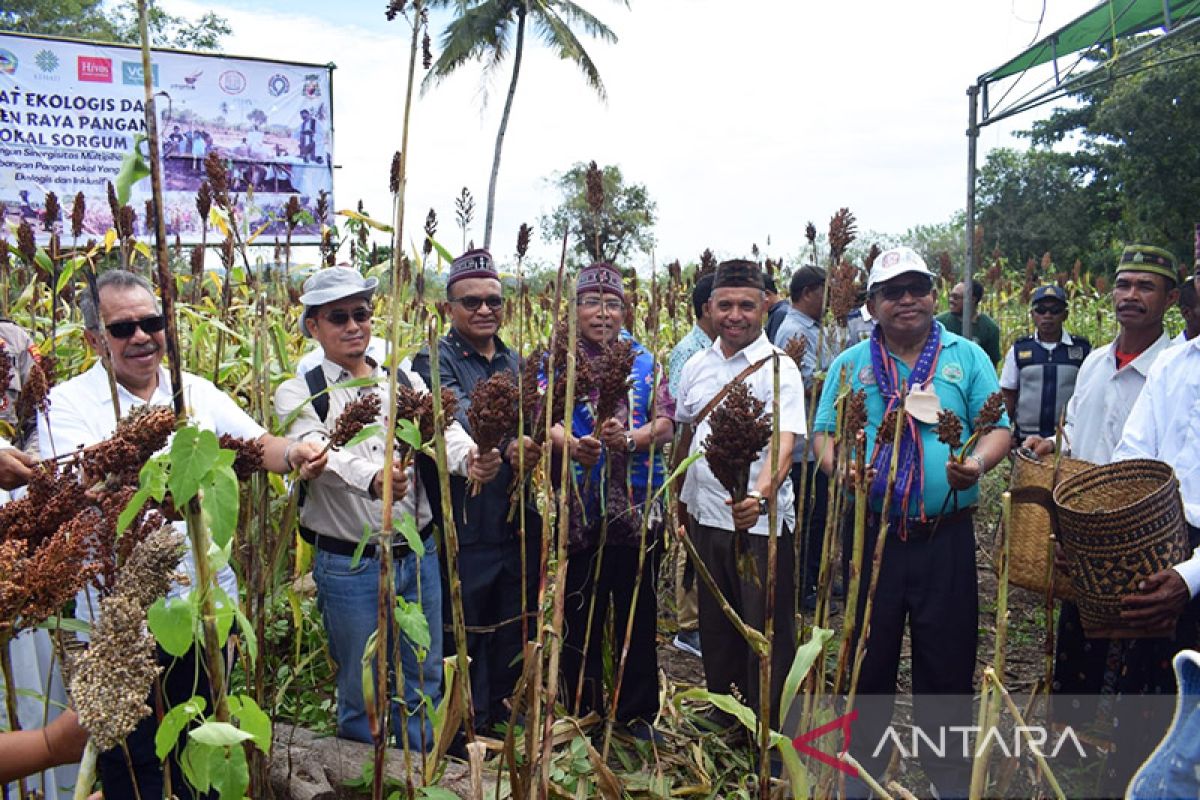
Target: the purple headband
pixel 600 277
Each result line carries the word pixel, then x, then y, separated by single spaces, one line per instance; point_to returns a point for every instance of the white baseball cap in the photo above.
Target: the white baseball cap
pixel 892 263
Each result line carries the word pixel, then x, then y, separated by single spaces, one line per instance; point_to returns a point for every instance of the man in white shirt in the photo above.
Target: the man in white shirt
pixel 345 500
pixel 1109 385
pixel 81 414
pixel 1039 370
pixel 1189 308
pixel 739 307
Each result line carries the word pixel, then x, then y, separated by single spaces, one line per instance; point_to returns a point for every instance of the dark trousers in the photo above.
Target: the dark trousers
pixel 1103 680
pixel 728 659
pixel 928 583
pixel 811 487
pixel 613 589
pixel 490 576
pixel 181 678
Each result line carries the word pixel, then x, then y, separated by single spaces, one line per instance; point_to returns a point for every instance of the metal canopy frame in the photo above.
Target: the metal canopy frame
pixel 1046 51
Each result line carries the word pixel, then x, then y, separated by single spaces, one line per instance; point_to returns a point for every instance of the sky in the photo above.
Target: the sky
pixel 744 120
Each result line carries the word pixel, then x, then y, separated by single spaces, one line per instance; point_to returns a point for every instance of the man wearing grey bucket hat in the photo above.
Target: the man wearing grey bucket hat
pixel 345 501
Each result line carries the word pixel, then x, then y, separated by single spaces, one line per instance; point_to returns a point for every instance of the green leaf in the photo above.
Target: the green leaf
pixel 219 501
pixel 407 526
pixel 173 723
pixel 197 764
pixel 247 632
pixel 253 720
pixel 130 512
pixel 442 251
pixel 193 453
pixel 436 793
pixel 411 619
pixel 69 624
pixel 368 432
pixel 133 169
pixel 806 656
pixel 153 476
pixel 224 610
pixel 172 622
pixel 219 734
pixel 230 773
pixel 377 225
pixel 361 546
pixel 409 432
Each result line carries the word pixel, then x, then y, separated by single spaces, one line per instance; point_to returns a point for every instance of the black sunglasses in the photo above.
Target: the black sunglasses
pixel 472 303
pixel 893 292
pixel 341 317
pixel 123 330
pixel 1050 309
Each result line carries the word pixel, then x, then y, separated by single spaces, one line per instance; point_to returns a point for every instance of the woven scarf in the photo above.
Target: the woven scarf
pixel 910 473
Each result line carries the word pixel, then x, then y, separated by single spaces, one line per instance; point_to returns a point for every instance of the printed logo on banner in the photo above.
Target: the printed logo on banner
pixel 312 86
pixel 94 70
pixel 8 62
pixel 189 81
pixel 131 73
pixel 46 60
pixel 232 82
pixel 278 85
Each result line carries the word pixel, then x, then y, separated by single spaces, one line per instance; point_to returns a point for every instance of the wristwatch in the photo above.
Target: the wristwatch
pixel 630 444
pixel 764 505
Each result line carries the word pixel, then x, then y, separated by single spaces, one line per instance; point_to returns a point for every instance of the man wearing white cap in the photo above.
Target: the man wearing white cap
pixel 345 500
pixel 911 364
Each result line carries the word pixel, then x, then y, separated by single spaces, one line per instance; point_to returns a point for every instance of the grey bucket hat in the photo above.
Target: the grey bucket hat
pixel 332 284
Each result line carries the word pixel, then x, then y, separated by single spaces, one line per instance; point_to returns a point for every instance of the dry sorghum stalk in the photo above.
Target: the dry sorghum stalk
pixel 218 178
pixel 249 458
pixel 613 379
pixel 128 222
pixel 36 581
pixel 946 268
pixel 417 407
pixel 78 212
pixel 493 411
pixel 841 233
pixel 114 207
pixel 149 571
pixel 394 8
pixel 796 347
pixel 949 429
pixel 35 394
pixel 887 429
pixel 990 414
pixel 856 414
pixel 426 50
pixel 708 263
pixel 872 254
pixel 51 211
pixel 112 678
pixel 810 233
pixel 52 498
pixel 5 374
pixel 740 429
pixel 358 414
pixel 431 223
pixel 204 201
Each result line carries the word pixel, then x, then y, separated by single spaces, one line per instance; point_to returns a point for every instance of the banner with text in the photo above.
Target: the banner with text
pixel 70 112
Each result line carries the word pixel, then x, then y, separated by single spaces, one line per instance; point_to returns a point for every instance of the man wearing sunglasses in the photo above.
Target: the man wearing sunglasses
pixel 984 330
pixel 913 366
pixel 126 330
pixel 1039 370
pixel 490 566
pixel 346 500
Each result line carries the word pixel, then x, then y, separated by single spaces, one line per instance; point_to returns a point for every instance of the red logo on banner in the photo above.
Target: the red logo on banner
pixel 95 70
pixel 842 723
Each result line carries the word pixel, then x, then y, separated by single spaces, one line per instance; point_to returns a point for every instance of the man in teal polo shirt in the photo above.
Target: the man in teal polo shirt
pixel 927 576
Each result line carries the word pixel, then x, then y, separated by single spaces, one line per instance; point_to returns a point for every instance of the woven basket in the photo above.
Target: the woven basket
pixel 1031 522
pixel 1119 524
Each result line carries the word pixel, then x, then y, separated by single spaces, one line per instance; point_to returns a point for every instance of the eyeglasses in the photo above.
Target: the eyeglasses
pixel 340 317
pixel 126 328
pixel 893 292
pixel 1052 309
pixel 593 303
pixel 472 303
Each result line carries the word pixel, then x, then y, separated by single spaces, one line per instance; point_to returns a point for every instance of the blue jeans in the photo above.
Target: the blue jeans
pixel 348 599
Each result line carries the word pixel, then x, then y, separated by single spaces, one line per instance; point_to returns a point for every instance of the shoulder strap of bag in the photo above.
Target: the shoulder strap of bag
pixel 685 438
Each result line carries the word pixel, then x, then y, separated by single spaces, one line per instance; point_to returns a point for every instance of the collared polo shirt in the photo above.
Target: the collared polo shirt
pixel 963 378
pixel 1164 425
pixel 703 377
pixel 1103 398
pixel 81 415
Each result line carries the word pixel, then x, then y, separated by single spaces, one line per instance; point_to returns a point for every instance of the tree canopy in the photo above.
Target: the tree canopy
pixel 95 19
pixel 624 226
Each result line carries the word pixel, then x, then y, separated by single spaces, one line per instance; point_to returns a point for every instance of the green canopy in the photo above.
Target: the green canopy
pixel 1110 20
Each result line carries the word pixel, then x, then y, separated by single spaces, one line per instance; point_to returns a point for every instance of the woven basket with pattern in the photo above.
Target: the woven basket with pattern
pixel 1118 523
pixel 1032 520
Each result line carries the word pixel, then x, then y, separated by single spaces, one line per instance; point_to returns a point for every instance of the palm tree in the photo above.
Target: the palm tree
pixel 483 29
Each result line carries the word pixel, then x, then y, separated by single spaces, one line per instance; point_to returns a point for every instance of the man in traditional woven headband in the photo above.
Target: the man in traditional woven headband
pixel 616 443
pixel 916 374
pixel 730 537
pixel 1109 383
pixel 489 538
